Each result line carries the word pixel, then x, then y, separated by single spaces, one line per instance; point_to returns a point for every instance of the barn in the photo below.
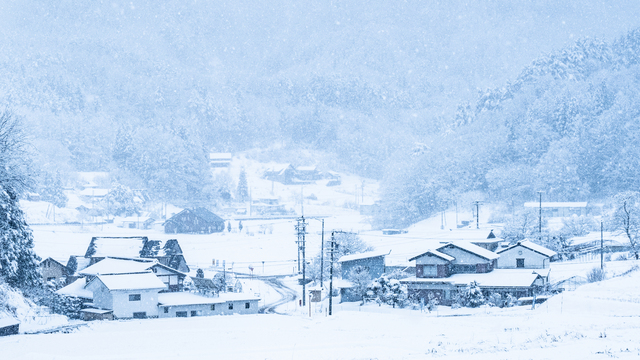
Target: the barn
pixel 194 221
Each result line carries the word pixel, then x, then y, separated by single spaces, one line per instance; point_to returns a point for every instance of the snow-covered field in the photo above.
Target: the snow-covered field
pixel 594 322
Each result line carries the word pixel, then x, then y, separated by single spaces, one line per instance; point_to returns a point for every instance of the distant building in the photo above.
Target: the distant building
pixel 559 209
pixel 284 174
pixel 447 270
pixel 128 295
pixel 52 270
pixel 373 262
pixel 220 160
pixel 194 221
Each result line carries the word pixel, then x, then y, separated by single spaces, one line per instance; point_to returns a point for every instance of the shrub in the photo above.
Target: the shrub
pixel 596 274
pixel 495 299
pixel 510 301
pixel 622 257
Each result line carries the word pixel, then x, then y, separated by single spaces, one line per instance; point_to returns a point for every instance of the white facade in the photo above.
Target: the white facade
pixel 521 257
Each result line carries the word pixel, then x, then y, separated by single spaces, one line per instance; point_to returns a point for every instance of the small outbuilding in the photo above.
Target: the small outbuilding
pixel 9 326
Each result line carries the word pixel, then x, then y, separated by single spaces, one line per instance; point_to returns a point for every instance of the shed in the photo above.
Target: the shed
pixel 9 326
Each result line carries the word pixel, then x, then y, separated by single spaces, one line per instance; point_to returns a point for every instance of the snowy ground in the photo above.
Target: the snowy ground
pixel 594 322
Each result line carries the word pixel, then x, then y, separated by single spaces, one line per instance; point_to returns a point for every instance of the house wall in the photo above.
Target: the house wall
pixel 374 264
pixel 102 298
pixel 532 259
pixel 51 269
pixel 239 307
pixel 123 308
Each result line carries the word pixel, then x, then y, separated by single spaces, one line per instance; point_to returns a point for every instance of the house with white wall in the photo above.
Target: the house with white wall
pixel 128 295
pixel 525 255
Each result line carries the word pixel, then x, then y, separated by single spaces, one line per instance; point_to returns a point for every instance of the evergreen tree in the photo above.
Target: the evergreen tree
pixel 18 261
pixel 243 188
pixel 52 190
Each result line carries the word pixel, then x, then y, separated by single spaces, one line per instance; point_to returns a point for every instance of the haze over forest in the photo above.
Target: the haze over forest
pixel 436 100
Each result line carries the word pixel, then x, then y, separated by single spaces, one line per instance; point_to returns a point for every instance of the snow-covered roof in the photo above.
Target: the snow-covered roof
pixel 116 246
pixel 306 168
pixel 531 246
pixel 117 266
pixel 8 321
pixel 495 278
pixel 473 248
pixel 534 204
pixel 94 192
pixel 609 238
pixel 364 255
pixel 434 253
pixel 185 298
pixel 77 289
pixel 220 156
pixel 144 281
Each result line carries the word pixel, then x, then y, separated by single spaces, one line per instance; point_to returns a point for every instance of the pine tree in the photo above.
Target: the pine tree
pixel 18 261
pixel 243 188
pixel 52 190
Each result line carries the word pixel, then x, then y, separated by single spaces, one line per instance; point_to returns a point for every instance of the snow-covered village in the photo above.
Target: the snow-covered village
pixel 319 180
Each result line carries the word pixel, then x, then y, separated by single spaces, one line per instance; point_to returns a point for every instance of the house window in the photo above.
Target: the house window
pixel 213 307
pixel 194 313
pixel 166 309
pixel 520 263
pixel 134 297
pixel 230 306
pixel 181 314
pixel 139 315
pixel 247 305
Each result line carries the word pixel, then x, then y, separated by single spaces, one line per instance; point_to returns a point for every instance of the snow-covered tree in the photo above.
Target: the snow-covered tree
pixel 52 191
pixel 120 201
pixel 360 278
pixel 473 295
pixel 242 193
pixel 18 261
pixel 626 218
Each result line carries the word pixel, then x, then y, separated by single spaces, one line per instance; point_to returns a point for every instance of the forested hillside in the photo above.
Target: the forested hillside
pixel 568 125
pixel 147 88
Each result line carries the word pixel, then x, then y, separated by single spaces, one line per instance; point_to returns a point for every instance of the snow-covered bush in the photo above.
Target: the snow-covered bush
pixel 596 274
pixel 510 301
pixel 387 291
pixel 495 299
pixel 432 302
pixel 473 295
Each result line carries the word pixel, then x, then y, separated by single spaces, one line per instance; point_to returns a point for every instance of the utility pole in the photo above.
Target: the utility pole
pixel 540 219
pixel 322 257
pixel 301 228
pixel 477 203
pixel 601 246
pixel 333 242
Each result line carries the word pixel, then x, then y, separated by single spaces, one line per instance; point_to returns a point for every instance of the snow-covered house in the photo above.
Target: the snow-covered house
pixel 50 269
pixel 188 305
pixel 128 295
pixel 217 160
pixel 559 209
pixel 194 221
pixel 525 255
pixel 173 279
pixel 444 271
pixel 166 252
pixel 372 261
